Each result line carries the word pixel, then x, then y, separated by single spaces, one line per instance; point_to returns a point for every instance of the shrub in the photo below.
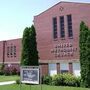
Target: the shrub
pixel 7 71
pixel 78 81
pixel 1 72
pixel 65 79
pixel 57 80
pixel 2 69
pixel 69 80
pixel 14 71
pixel 47 79
pixel 18 81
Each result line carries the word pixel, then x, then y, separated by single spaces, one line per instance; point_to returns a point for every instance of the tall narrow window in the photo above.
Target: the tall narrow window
pixel 8 51
pixel 69 23
pixel 14 51
pixel 62 31
pixel 54 27
pixel 11 52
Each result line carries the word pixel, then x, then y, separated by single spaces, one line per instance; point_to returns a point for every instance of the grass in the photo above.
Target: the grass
pixel 32 87
pixel 8 78
pixel 38 87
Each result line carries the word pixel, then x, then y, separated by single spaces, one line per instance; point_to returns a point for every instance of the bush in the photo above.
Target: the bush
pixel 14 71
pixel 18 81
pixel 7 71
pixel 2 69
pixel 78 81
pixel 1 72
pixel 66 80
pixel 57 80
pixel 47 80
pixel 69 80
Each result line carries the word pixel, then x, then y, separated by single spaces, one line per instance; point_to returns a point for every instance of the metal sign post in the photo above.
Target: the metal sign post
pixel 41 76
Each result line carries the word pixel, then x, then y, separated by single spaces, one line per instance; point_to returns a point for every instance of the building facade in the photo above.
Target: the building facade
pixel 57 39
pixel 10 52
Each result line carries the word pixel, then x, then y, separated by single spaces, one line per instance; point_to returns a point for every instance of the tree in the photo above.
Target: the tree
pixel 88 60
pixel 84 54
pixel 29 54
pixel 33 47
pixel 25 56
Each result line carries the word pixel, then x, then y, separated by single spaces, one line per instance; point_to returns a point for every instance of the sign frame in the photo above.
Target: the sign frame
pixel 29 74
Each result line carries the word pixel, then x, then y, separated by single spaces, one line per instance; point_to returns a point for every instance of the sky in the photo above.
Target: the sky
pixel 15 15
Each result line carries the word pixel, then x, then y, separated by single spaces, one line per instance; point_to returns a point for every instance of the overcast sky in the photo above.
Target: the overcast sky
pixel 15 15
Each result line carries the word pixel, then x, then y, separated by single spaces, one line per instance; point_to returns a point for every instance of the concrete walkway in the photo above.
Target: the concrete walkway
pixel 7 83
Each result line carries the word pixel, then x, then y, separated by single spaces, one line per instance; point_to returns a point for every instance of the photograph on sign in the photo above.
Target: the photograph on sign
pixel 30 75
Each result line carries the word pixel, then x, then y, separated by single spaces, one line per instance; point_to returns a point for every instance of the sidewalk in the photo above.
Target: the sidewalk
pixel 7 83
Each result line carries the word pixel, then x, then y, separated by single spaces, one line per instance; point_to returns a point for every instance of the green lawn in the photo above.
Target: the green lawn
pixel 38 87
pixel 8 78
pixel 33 87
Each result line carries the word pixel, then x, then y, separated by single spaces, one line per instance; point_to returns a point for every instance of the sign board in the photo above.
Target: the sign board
pixel 30 74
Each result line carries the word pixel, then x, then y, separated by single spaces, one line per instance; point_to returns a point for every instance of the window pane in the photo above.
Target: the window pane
pixel 54 27
pixel 14 51
pixel 62 31
pixel 8 51
pixel 69 23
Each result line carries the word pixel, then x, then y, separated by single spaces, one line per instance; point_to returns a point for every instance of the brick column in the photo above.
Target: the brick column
pixel 58 68
pixel 44 69
pixel 70 68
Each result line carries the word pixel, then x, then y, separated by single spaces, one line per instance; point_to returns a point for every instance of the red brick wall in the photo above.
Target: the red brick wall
pixel 58 68
pixel 70 68
pixel 1 51
pixel 17 43
pixel 43 25
pixel 44 69
pixel 8 43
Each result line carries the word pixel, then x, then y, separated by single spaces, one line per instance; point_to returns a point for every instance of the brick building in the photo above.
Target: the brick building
pixel 10 52
pixel 57 39
pixel 58 36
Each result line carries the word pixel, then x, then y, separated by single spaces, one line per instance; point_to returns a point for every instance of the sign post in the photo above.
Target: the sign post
pixel 29 74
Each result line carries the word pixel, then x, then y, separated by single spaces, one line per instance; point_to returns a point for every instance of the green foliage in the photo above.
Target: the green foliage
pixel 29 47
pixel 66 79
pixel 2 69
pixel 25 57
pixel 70 80
pixel 84 44
pixel 47 79
pixel 57 80
pixel 38 87
pixel 33 47
pixel 18 81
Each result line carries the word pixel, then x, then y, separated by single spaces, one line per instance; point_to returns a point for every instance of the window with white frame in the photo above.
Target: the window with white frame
pixel 52 69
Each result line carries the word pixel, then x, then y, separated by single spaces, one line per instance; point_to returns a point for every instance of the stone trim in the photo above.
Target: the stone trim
pixel 58 61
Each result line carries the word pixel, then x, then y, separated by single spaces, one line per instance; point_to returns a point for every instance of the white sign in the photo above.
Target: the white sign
pixel 30 74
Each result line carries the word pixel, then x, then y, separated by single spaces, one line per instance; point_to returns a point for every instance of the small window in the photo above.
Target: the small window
pixel 11 51
pixel 62 31
pixel 69 23
pixel 54 27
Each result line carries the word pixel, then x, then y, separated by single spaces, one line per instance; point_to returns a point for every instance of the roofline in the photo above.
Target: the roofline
pixel 11 39
pixel 62 2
